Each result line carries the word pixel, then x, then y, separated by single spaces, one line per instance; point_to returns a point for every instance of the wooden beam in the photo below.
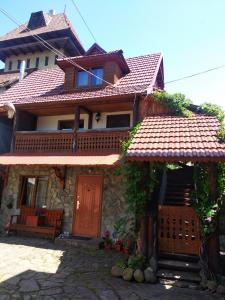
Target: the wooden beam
pixel 136 116
pixel 90 119
pixel 77 118
pixel 88 111
pixel 15 122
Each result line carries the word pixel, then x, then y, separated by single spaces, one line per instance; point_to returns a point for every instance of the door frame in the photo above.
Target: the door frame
pixel 100 202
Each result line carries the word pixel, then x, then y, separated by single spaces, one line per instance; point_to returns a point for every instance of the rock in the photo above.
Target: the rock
pixel 153 264
pixel 181 284
pixel 139 275
pixel 128 274
pixel 202 275
pixel 221 289
pixel 116 271
pixel 150 275
pixel 211 285
pixel 203 284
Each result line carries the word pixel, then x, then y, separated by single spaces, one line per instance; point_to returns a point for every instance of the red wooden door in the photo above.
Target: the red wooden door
pixel 87 213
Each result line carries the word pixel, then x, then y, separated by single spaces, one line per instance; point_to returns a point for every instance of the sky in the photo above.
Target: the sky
pixel 190 35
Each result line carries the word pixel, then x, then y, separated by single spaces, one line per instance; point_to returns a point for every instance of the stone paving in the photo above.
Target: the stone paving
pixel 38 269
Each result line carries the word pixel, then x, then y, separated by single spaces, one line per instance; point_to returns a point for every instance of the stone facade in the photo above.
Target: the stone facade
pixel 113 206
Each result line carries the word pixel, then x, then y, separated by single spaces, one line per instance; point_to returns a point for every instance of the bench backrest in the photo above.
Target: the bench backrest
pixel 51 215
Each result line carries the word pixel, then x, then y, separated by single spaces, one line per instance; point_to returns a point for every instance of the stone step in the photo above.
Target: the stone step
pixel 180 257
pixel 178 283
pixel 179 265
pixel 178 275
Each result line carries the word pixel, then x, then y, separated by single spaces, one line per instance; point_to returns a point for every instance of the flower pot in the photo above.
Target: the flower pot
pixel 108 246
pixel 118 247
pixel 126 250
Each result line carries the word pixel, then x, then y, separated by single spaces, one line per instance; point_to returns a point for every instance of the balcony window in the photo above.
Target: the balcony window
pixel 10 66
pixel 46 60
pixel 28 63
pixel 37 62
pixel 82 79
pixel 118 121
pixel 69 124
pixel 34 191
pixel 98 72
pixel 18 64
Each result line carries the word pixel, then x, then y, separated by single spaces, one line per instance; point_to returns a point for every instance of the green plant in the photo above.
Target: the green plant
pixel 177 103
pixel 122 264
pixel 136 261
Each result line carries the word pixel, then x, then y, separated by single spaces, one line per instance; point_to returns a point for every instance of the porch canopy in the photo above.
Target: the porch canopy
pixel 173 138
pixel 60 160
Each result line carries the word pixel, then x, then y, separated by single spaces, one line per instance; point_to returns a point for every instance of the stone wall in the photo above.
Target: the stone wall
pixel 113 206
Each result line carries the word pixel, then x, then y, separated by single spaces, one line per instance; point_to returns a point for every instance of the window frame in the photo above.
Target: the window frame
pixel 28 63
pixel 22 185
pixel 69 120
pixel 92 77
pixel 89 78
pixel 18 64
pixel 117 115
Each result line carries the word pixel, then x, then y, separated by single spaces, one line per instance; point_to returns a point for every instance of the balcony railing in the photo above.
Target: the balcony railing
pixel 69 142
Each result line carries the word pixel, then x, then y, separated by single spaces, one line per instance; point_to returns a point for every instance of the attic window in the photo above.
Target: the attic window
pixel 98 72
pixel 82 78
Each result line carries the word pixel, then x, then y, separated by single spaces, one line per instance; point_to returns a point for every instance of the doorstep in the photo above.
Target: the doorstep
pixel 71 241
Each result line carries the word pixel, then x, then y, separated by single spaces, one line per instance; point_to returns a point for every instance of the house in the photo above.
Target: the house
pixel 22 47
pixel 68 129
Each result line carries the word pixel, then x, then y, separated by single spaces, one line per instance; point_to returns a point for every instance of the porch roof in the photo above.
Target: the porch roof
pixel 173 138
pixel 60 160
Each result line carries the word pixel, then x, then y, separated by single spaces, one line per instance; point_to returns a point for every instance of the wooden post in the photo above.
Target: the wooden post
pixel 90 118
pixel 213 244
pixel 136 116
pixel 15 126
pixel 76 126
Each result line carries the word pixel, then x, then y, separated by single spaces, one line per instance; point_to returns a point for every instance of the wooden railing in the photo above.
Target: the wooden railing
pixel 44 141
pixel 61 141
pixel 109 140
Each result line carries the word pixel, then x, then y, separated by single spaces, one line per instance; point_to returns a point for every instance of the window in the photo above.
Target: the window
pixel 82 79
pixel 46 60
pixel 116 121
pixel 34 191
pixel 10 66
pixel 99 73
pixel 28 63
pixel 18 63
pixel 56 57
pixel 37 62
pixel 69 124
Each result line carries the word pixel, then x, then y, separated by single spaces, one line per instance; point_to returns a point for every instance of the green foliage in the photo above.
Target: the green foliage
pixel 204 207
pixel 216 111
pixel 126 144
pixel 122 264
pixel 136 261
pixel 177 103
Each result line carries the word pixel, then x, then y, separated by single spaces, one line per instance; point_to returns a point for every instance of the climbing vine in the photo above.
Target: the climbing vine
pixel 177 103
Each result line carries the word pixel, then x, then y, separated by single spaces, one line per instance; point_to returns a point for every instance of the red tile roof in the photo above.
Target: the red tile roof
pixel 7 78
pixel 47 85
pixel 175 138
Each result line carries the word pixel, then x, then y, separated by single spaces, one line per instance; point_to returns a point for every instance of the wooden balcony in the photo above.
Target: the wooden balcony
pixel 69 142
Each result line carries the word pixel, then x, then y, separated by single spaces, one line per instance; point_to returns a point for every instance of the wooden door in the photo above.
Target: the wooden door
pixel 87 214
pixel 178 230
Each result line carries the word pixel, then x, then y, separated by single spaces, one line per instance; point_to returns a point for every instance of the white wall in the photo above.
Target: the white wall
pixel 32 57
pixel 51 122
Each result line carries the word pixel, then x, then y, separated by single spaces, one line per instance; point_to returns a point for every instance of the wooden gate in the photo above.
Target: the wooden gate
pixel 178 230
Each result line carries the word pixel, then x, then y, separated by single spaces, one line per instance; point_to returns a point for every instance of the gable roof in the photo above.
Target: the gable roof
pixel 46 85
pixel 173 138
pixel 95 49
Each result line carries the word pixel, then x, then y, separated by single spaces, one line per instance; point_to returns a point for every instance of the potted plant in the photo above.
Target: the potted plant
pixel 107 240
pixel 126 246
pixel 118 245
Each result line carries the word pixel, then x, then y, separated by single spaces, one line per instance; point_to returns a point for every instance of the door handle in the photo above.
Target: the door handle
pixel 78 204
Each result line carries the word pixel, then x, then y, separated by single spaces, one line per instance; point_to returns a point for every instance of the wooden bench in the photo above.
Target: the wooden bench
pixel 37 220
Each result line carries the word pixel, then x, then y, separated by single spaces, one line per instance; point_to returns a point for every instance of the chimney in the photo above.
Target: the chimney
pixel 51 12
pixel 22 69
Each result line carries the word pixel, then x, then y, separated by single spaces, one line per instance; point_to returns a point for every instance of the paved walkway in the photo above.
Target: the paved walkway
pixel 38 269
